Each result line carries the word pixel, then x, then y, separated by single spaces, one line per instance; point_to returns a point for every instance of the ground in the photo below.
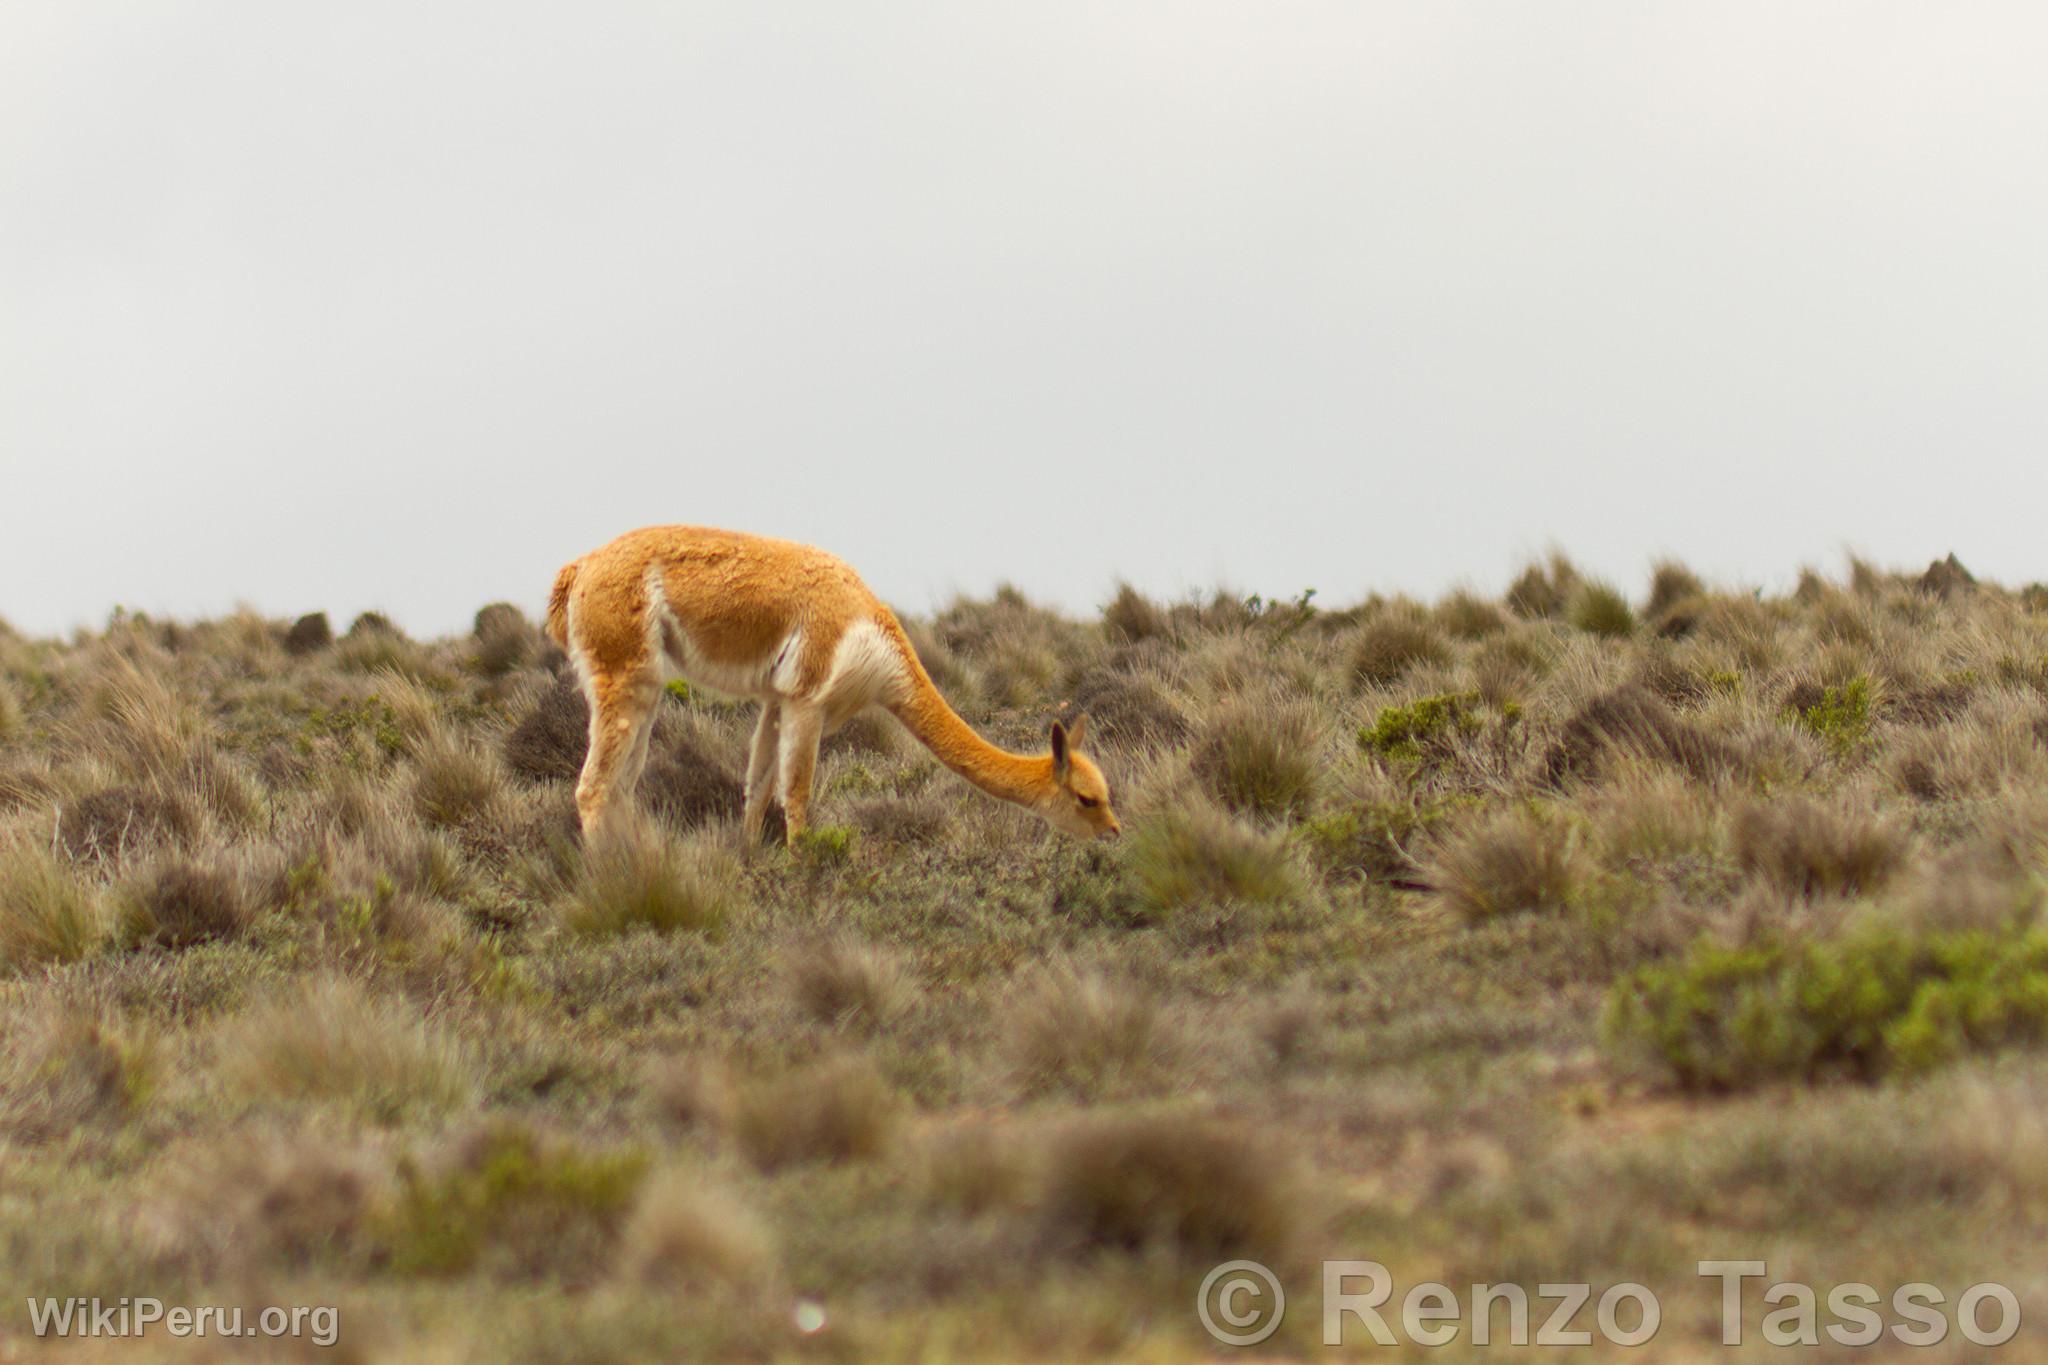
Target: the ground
pixel 1572 936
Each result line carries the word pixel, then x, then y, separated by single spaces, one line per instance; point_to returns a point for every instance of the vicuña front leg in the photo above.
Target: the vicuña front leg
pixel 803 724
pixel 761 769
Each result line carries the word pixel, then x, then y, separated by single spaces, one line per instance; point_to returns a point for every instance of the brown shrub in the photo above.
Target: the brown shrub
pixel 1631 721
pixel 550 740
pixel 505 640
pixel 309 634
pixel 1809 849
pixel 1197 1188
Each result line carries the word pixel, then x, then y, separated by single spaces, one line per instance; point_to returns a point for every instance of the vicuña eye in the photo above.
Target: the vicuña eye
pixel 1088 802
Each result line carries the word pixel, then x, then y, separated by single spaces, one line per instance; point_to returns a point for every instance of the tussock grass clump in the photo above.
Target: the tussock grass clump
pixel 309 634
pixel 1810 849
pixel 331 1041
pixel 975 1167
pixel 689 784
pixel 68 1067
pixel 1881 999
pixel 1599 609
pixel 454 783
pixel 550 740
pixel 1131 616
pixel 512 1202
pixel 844 983
pixel 1670 584
pixel 115 822
pixel 1507 863
pixel 1632 722
pixel 1191 1187
pixel 12 721
pixel 1390 647
pixel 838 1110
pixel 1261 759
pixel 1466 616
pixel 1193 854
pixel 688 1234
pixel 1542 590
pixel 640 878
pixel 504 640
pixel 48 913
pixel 181 901
pixel 1128 708
pixel 1082 1033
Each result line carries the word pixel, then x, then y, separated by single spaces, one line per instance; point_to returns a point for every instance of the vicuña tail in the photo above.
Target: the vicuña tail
pixel 557 624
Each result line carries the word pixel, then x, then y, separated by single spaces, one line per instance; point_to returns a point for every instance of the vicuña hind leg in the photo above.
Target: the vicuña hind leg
pixel 761 769
pixel 803 725
pixel 621 715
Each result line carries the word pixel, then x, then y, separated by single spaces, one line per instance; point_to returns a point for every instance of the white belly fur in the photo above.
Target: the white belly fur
pixel 866 667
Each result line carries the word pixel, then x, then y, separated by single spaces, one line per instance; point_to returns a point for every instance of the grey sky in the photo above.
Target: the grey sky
pixel 402 305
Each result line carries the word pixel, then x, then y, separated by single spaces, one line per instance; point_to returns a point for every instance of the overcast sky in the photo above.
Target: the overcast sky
pixel 344 306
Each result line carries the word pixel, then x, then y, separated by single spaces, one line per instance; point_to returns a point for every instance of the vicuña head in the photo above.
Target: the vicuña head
pixel 796 628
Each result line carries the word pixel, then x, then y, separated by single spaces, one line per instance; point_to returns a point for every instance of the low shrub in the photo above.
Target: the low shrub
pixel 309 634
pixel 1878 1000
pixel 514 1203
pixel 1422 728
pixel 1839 715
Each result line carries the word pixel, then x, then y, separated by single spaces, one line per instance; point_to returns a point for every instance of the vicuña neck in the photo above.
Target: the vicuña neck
pixel 1021 778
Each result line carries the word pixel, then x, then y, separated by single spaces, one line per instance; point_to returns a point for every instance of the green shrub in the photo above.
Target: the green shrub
pixel 1841 717
pixel 1880 1000
pixel 1374 839
pixel 1421 728
pixel 513 1200
pixel 1193 854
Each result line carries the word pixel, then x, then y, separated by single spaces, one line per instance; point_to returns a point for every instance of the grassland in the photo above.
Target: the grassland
pixel 1574 935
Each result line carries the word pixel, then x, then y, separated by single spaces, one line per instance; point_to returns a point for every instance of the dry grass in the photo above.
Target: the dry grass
pixel 1530 936
pixel 333 1041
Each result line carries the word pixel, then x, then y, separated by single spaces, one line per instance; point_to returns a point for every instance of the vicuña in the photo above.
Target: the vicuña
pixel 753 617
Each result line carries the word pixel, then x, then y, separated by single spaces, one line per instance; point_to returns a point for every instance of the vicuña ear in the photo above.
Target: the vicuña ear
pixel 1076 730
pixel 1059 751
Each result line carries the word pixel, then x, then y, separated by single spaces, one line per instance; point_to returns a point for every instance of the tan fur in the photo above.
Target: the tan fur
pixel 795 627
